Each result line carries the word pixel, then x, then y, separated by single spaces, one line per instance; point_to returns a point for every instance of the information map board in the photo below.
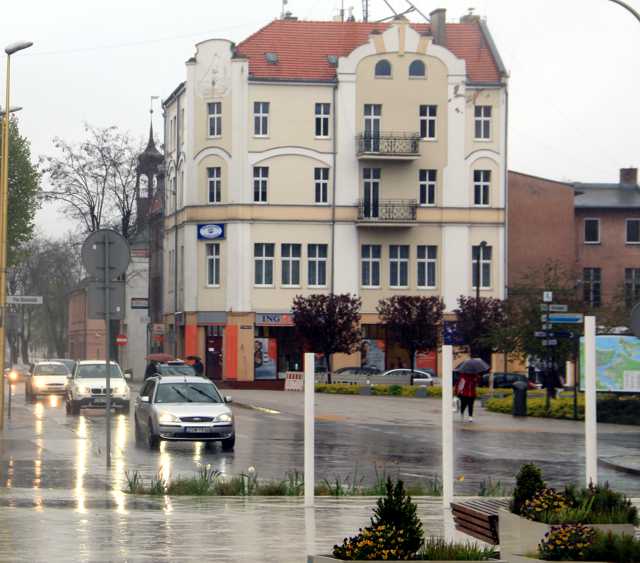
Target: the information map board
pixel 617 364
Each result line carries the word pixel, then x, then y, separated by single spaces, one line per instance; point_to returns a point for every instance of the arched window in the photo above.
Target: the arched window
pixel 383 68
pixel 417 69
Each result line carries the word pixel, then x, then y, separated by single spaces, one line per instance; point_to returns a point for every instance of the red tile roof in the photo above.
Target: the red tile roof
pixel 303 46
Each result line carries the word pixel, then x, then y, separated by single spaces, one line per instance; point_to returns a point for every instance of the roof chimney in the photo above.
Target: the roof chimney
pixel 470 17
pixel 629 176
pixel 439 26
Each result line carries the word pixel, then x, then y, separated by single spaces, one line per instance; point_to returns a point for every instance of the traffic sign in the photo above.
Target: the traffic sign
pixel 540 334
pixel 93 250
pixel 122 340
pixel 554 308
pixel 547 296
pixel 24 299
pixel 96 300
pixel 550 342
pixel 563 318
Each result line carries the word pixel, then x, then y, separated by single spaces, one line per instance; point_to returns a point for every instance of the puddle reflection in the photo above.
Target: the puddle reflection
pixel 164 462
pixel 81 463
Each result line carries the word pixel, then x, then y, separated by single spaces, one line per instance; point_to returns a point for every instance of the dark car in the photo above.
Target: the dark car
pixel 505 380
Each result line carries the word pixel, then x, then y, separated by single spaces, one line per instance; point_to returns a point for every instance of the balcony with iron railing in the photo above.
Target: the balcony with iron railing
pixel 388 146
pixel 387 212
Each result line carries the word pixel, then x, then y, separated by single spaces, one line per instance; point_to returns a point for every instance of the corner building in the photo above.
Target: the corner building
pixel 329 157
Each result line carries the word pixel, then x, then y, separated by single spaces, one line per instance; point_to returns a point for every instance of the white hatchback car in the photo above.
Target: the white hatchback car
pixel 87 387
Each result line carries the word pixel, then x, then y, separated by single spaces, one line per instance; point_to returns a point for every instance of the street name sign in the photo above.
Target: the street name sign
pixel 540 334
pixel 24 299
pixel 554 308
pixel 563 318
pixel 550 342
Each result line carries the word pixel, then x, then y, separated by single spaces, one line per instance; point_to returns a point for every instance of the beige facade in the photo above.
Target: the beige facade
pixel 294 194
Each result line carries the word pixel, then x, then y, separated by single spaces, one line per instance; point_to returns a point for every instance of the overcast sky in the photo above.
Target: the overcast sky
pixel 574 64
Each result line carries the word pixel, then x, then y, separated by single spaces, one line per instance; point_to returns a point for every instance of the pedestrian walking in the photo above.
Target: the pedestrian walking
pixel 466 393
pixel 151 369
pixel 198 366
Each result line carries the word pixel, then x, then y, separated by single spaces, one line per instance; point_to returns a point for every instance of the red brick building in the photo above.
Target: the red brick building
pixel 539 224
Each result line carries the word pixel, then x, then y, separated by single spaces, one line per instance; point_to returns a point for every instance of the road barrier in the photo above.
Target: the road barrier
pixel 294 381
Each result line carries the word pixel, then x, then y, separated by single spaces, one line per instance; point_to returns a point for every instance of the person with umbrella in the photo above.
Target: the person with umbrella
pixel 469 372
pixel 196 363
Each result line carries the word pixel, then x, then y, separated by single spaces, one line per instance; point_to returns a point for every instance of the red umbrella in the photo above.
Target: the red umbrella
pixel 159 357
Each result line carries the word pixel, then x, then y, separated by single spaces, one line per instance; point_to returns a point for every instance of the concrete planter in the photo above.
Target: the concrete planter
pixel 328 559
pixel 523 559
pixel 519 535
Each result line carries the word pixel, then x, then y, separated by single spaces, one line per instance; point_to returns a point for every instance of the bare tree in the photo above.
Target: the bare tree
pixel 94 180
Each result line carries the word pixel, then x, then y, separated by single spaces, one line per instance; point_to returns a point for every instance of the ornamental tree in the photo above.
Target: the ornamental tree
pixel 415 323
pixel 477 319
pixel 328 323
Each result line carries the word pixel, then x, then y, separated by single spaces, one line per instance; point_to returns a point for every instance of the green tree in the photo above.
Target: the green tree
pixel 24 189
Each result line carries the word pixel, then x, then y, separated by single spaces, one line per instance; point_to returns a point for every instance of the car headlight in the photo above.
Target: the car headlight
pixel 40 384
pixel 225 417
pixel 84 390
pixel 165 417
pixel 13 375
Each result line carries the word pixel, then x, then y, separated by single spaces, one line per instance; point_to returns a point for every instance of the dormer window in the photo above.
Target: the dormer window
pixel 272 58
pixel 332 60
pixel 383 69
pixel 417 69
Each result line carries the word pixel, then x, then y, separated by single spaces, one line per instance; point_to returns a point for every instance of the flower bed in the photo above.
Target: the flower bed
pixel 536 511
pixel 395 390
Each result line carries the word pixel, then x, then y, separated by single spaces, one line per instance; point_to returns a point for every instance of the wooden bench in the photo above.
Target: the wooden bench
pixel 479 518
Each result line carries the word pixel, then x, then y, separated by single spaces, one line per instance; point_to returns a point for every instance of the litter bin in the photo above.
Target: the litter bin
pixel 519 398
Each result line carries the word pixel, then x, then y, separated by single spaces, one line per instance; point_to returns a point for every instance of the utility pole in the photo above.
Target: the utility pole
pixel 365 10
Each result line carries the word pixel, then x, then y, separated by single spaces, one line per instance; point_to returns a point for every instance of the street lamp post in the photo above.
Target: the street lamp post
pixel 4 210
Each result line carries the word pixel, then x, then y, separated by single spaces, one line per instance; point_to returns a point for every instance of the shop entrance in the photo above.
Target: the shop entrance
pixel 278 350
pixel 213 346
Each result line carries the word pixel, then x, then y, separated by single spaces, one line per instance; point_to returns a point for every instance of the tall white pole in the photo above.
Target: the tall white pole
pixel 447 426
pixel 590 409
pixel 309 428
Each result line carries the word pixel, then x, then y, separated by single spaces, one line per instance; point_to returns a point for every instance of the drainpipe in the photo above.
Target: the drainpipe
pixel 333 188
pixel 506 193
pixel 175 234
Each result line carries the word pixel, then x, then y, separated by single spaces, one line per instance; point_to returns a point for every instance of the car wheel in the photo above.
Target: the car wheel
pixel 137 432
pixel 153 440
pixel 209 446
pixel 125 406
pixel 229 444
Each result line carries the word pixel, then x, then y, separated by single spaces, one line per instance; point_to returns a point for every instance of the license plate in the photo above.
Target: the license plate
pixel 197 430
pixel 99 401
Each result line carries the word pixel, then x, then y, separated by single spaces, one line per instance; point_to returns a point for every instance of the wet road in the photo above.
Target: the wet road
pixel 43 448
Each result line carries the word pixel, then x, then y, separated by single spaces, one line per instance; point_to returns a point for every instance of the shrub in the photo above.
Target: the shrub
pixel 570 542
pixel 619 548
pixel 528 483
pixel 599 504
pixel 438 549
pixel 395 532
pixel 337 388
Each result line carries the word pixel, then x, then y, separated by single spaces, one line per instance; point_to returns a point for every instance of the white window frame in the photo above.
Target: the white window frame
pixel 592 286
pixel 584 230
pixel 429 120
pixel 313 256
pixel 261 119
pixel 399 261
pixel 484 261
pixel 260 184
pixel 321 185
pixel 214 184
pixel 288 256
pixel 626 231
pixel 482 188
pixel 426 262
pixel 322 120
pixel 260 260
pixel 213 264
pixel 483 121
pixel 427 185
pixel 214 113
pixel 631 286
pixel 371 261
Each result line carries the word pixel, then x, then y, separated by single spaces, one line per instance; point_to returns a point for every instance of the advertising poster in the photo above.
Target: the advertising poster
pixel 617 364
pixel 372 354
pixel 265 358
pixel 451 334
pixel 428 360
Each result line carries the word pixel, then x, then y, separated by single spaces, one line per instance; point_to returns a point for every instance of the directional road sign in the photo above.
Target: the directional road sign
pixel 563 318
pixel 554 308
pixel 540 334
pixel 550 342
pixel 24 299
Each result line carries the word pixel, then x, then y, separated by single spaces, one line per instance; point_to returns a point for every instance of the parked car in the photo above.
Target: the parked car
pixel 48 378
pixel 423 377
pixel 363 371
pixel 175 367
pixel 87 387
pixel 504 380
pixel 183 408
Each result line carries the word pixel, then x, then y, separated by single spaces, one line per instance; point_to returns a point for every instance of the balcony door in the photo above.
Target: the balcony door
pixel 371 195
pixel 372 116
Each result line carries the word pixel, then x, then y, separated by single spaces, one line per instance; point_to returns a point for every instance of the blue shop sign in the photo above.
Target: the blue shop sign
pixel 210 231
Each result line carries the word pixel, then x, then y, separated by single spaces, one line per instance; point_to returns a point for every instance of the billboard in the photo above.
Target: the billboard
pixel 617 364
pixel 265 358
pixel 372 354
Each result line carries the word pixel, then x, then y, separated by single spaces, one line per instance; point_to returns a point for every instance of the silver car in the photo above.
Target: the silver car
pixel 421 377
pixel 183 408
pixel 48 378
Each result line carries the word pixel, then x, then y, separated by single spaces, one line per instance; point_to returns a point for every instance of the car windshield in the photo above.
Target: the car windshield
pixel 98 371
pixel 51 369
pixel 176 370
pixel 70 364
pixel 187 393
